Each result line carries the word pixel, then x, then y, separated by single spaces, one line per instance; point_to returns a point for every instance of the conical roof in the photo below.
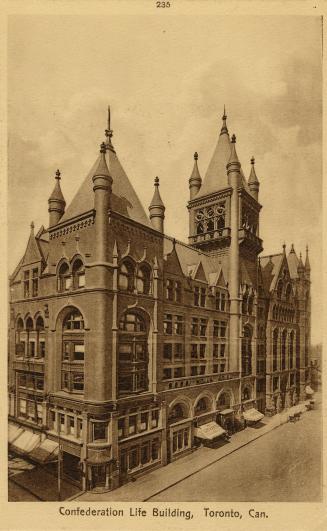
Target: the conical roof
pixel 123 199
pixel 216 177
pixel 57 194
pixel 307 262
pixel 195 175
pixel 156 199
pixel 253 179
pixel 293 263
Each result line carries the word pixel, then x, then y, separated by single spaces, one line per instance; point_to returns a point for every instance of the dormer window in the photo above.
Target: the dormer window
pixel 35 282
pixel 199 296
pixel 78 274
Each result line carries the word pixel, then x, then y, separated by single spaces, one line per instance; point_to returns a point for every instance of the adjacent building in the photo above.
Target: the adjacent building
pixel 124 343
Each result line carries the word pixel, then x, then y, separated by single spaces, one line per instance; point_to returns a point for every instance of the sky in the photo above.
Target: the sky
pixel 167 80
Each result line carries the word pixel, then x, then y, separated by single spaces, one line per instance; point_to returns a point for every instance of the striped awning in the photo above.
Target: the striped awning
pixel 47 451
pixel 209 431
pixel 252 415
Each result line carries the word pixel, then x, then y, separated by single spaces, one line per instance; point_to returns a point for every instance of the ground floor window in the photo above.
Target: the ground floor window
pixel 139 455
pixel 180 440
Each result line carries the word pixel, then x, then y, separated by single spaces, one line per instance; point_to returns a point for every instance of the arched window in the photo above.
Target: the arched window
pixel 31 347
pixel 250 304
pixel 279 289
pixel 64 278
pixel 178 412
pixel 126 276
pixel 210 225
pixel 143 279
pixel 275 312
pixel 20 338
pixel 288 292
pixel 275 349
pixel 245 303
pixel 202 406
pixel 283 353
pixel 132 355
pixel 199 228
pixel 291 350
pixel 73 352
pixel 224 400
pixel 78 274
pixel 40 337
pixel 246 394
pixel 246 351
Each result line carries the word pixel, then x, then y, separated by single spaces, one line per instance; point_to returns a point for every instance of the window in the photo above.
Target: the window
pixel 250 305
pixel 73 352
pixel 202 369
pixel 284 336
pixel 194 370
pixel 70 425
pixel 202 406
pixel 145 453
pixel 202 297
pixel 194 350
pixel 168 351
pixel 26 284
pixel 78 274
pixel 220 301
pixel 202 350
pixel 178 291
pixel 291 350
pixel 155 449
pixel 100 431
pixel 177 413
pixel 196 296
pixel 288 292
pixel 132 423
pixel 246 351
pixel 178 351
pixel 144 421
pixel 279 289
pixel 21 380
pixel 275 383
pixel 126 276
pixel 143 280
pixel 35 282
pixel 132 355
pixel 246 394
pixel 216 328
pixel 167 374
pixel 203 327
pixel 275 349
pixel 64 278
pixel 215 350
pixel 245 304
pixel 223 327
pixel 261 385
pixel 222 367
pixel 224 400
pixel 169 290
pixel 121 427
pixel 32 349
pixel 292 379
pixel 215 369
pixel 195 326
pixel 222 350
pixel 154 418
pixel 199 296
pixel 168 324
pixel 178 325
pixel 178 372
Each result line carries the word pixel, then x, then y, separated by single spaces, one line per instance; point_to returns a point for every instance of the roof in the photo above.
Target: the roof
pixel 216 177
pixel 123 199
pixel 270 266
pixel 293 263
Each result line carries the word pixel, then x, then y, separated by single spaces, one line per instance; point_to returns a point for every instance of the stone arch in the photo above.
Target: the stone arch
pixel 64 311
pixel 226 391
pixel 186 404
pixel 210 400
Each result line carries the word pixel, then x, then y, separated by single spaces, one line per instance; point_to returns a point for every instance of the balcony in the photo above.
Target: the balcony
pixel 189 381
pixel 30 365
pixel 210 235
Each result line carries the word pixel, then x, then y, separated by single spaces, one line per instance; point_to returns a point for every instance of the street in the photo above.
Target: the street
pixel 283 465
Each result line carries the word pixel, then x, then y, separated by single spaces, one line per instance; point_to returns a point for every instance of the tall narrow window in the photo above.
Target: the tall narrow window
pixel 78 274
pixel 26 284
pixel 40 337
pixel 284 336
pixel 64 278
pixel 132 355
pixel 73 354
pixel 291 350
pixel 35 282
pixel 143 279
pixel 126 276
pixel 275 349
pixel 246 351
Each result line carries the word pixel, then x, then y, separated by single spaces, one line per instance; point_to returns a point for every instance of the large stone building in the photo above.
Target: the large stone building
pixel 126 343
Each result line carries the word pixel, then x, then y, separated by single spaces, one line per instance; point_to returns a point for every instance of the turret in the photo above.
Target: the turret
pixel 253 182
pixel 300 267
pixel 157 208
pixel 56 202
pixel 195 180
pixel 102 186
pixel 233 172
pixel 307 266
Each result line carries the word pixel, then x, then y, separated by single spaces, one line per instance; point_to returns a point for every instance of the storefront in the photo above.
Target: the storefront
pixel 137 456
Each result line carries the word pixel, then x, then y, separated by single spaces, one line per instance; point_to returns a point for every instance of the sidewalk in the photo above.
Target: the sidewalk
pixel 162 478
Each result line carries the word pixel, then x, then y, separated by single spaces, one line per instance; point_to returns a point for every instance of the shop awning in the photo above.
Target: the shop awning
pixel 26 442
pixel 226 412
pixel 45 452
pixel 308 390
pixel 252 415
pixel 14 432
pixel 209 431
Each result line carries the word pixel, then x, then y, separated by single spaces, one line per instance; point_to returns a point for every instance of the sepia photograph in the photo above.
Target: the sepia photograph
pixel 164 259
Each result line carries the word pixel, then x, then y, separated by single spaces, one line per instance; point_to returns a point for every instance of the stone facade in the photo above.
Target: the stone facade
pixel 123 340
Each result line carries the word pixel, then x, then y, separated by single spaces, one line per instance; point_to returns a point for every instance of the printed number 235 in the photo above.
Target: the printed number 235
pixel 163 4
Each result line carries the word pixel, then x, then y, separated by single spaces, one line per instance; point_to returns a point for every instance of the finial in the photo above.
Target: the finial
pixel 252 161
pixel 32 225
pixel 58 175
pixel 300 256
pixel 156 181
pixel 108 131
pixel 103 148
pixel 224 126
pixel 196 156
pixel 233 139
pixel 224 115
pixel 307 248
pixel 292 248
pixel 284 247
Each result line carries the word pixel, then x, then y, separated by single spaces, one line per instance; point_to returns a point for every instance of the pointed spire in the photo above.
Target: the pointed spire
pixel 102 169
pixel 224 129
pixel 195 180
pixel 284 248
pixel 253 179
pixel 56 202
pixel 300 266
pixel 157 208
pixel 307 262
pixel 32 227
pixel 292 248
